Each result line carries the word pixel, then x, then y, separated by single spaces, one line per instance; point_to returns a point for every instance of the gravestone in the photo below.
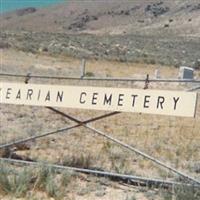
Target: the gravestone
pixel 186 72
pixel 157 73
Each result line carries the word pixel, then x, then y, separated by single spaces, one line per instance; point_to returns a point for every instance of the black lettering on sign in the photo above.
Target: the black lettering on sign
pixel 82 101
pixel 94 98
pixel 48 98
pixel 18 94
pixel 146 101
pixel 59 96
pixel 175 101
pixel 107 100
pixel 38 98
pixel 8 93
pixel 120 99
pixel 134 97
pixel 29 94
pixel 160 102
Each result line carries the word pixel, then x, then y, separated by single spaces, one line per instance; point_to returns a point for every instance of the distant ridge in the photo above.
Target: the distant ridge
pixel 180 17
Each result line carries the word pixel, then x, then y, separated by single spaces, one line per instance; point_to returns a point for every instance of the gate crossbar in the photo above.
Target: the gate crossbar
pixel 57 131
pixel 128 147
pixel 140 181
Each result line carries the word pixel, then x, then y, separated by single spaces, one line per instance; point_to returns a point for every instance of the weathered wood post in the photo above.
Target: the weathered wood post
pixel 82 68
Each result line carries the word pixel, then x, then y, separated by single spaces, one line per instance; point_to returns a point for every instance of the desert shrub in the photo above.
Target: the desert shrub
pixel 130 197
pixel 18 183
pixel 152 61
pixel 5 185
pixel 177 65
pixel 182 193
pixel 4 45
pixel 185 193
pixel 83 161
pixel 51 187
pixel 89 74
pixel 197 64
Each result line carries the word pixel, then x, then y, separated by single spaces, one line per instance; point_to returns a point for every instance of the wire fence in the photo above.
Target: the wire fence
pixel 29 76
pixel 140 180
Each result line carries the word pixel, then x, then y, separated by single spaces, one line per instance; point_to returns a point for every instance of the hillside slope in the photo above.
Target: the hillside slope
pixel 179 17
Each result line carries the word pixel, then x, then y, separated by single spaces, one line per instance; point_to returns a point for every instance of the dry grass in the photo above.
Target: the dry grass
pixel 24 182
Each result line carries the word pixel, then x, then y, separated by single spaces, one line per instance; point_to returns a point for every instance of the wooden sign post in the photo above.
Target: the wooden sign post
pixel 161 102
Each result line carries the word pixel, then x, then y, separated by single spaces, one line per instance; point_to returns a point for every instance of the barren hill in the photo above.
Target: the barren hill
pixel 165 32
pixel 180 17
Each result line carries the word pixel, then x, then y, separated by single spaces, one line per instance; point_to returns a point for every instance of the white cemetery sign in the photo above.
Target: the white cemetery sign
pixel 162 102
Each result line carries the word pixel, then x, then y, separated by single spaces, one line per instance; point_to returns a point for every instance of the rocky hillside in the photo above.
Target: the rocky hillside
pixel 179 17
